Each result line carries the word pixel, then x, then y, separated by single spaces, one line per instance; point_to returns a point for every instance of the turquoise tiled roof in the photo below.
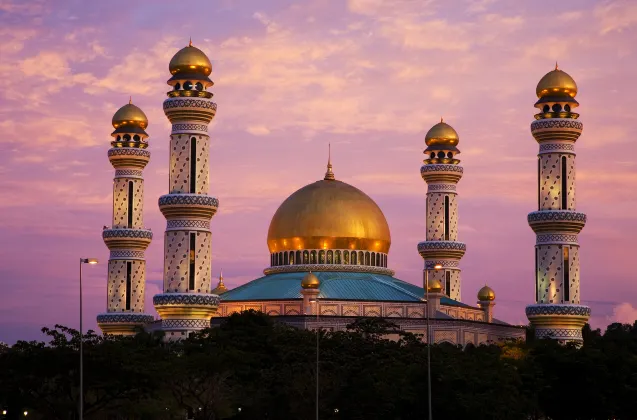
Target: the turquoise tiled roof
pixel 334 285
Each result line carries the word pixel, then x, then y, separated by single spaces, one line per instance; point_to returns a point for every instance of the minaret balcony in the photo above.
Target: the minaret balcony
pixel 562 322
pixel 128 157
pixel 122 323
pixel 554 129
pixel 190 109
pixel 431 250
pixel 186 305
pixel 187 206
pixel 441 173
pixel 546 221
pixel 125 238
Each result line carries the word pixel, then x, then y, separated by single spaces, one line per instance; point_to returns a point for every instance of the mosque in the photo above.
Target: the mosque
pixel 329 242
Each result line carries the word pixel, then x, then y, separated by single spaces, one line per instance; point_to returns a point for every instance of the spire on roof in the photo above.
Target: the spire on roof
pixel 329 175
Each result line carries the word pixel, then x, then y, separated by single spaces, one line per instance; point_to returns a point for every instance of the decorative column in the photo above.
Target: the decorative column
pixel 557 313
pixel 187 303
pixel 310 290
pixel 442 172
pixel 127 239
pixel 435 294
pixel 486 302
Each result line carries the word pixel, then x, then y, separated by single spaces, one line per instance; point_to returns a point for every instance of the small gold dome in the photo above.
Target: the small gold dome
pixel 435 286
pixel 486 293
pixel 130 114
pixel 190 60
pixel 329 214
pixel 556 83
pixel 442 134
pixel 310 281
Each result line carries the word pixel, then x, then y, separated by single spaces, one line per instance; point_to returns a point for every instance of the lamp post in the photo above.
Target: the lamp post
pixel 91 261
pixel 436 267
pixel 315 302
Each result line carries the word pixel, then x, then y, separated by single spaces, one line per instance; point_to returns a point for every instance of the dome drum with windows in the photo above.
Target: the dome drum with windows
pixel 441 140
pixel 190 68
pixel 130 124
pixel 556 93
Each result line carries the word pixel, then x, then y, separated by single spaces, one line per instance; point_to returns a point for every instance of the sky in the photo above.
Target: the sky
pixel 368 76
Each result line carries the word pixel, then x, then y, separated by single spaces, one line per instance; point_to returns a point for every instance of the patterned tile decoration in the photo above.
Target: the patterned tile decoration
pixel 558 333
pixel 177 262
pixel 575 310
pixel 168 299
pixel 202 166
pixel 570 182
pixel 550 182
pixel 128 151
pixel 125 254
pixel 351 310
pixel 441 168
pixel 188 199
pixel 445 336
pixel 127 233
pixel 188 224
pixel 189 103
pixel 556 123
pixel 430 264
pixel 188 127
pixel 482 338
pixel 469 337
pixel 574 274
pixel 549 268
pixel 441 187
pixel 185 323
pixel 555 238
pixel 371 310
pixel 120 173
pixel 116 288
pixel 179 165
pixel 328 267
pixel 556 215
pixel 426 245
pixel 124 318
pixel 546 147
pixel 395 311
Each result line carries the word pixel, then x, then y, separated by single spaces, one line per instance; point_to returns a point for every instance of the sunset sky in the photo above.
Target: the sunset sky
pixel 368 76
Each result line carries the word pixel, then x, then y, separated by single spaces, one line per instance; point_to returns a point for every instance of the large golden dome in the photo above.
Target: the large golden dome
pixel 442 134
pixel 190 60
pixel 130 114
pixel 329 214
pixel 556 82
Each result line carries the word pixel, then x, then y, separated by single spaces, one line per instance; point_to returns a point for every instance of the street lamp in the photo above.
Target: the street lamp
pixel 315 301
pixel 91 261
pixel 435 267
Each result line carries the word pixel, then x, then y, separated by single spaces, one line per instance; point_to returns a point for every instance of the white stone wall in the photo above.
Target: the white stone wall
pixel 436 216
pixel 120 203
pixel 570 181
pixel 574 291
pixel 550 183
pixel 116 293
pixel 177 262
pixel 180 163
pixel 203 168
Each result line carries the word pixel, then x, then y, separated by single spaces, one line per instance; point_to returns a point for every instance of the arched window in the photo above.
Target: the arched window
pixel 286 260
pixel 373 259
pixel 354 259
pixel 306 257
pixel 298 257
pixel 361 258
pixel 313 257
pixel 330 257
pixel 129 269
pixel 566 283
pixel 539 182
pixel 367 258
pixel 271 260
pixel 130 204
pixel 345 257
pixel 448 283
pixel 321 257
pixel 385 260
pixel 191 273
pixel 276 259
pixel 291 257
pixel 337 257
pixel 193 165
pixel 446 218
pixel 564 184
pixel 378 260
pixel 281 258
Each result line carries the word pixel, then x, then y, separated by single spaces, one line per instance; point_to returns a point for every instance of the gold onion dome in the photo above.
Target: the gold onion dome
pixel 486 293
pixel 435 286
pixel 310 281
pixel 442 134
pixel 190 60
pixel 329 214
pixel 130 115
pixel 556 83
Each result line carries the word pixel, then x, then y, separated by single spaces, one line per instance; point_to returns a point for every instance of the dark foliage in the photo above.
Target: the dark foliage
pixel 254 368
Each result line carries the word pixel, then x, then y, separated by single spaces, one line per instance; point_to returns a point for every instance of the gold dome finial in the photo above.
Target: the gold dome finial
pixel 435 286
pixel 130 100
pixel 221 288
pixel 310 281
pixel 442 134
pixel 190 42
pixel 130 115
pixel 441 120
pixel 556 68
pixel 329 175
pixel 556 83
pixel 486 294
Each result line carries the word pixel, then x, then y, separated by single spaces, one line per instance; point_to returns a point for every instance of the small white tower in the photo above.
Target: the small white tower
pixel 187 303
pixel 442 172
pixel 557 313
pixel 127 239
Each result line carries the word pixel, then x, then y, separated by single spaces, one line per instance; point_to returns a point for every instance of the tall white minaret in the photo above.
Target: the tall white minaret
pixel 127 239
pixel 187 303
pixel 557 313
pixel 442 172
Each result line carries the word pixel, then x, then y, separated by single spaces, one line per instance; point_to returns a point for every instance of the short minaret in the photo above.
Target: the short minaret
pixel 486 302
pixel 435 294
pixel 221 287
pixel 187 303
pixel 126 238
pixel 557 313
pixel 442 172
pixel 310 291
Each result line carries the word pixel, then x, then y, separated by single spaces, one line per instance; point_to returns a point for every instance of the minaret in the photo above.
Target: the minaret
pixel 557 313
pixel 486 302
pixel 442 172
pixel 127 239
pixel 187 303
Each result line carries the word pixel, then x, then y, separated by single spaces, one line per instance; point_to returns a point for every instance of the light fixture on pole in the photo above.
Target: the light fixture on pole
pixel 427 268
pixel 315 302
pixel 91 261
